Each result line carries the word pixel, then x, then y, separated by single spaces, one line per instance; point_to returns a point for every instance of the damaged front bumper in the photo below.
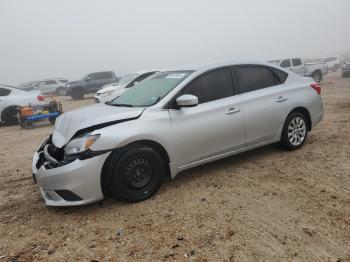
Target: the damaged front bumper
pixel 69 182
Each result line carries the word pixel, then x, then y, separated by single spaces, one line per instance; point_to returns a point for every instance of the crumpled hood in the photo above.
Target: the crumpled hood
pixel 68 124
pixel 113 87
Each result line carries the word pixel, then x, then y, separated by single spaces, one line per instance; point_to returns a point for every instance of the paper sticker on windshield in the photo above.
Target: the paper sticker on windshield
pixel 177 76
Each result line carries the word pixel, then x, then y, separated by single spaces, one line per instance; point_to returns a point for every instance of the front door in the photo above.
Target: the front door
pixel 214 126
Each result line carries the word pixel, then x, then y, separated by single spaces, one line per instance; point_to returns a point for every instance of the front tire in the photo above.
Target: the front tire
pixel 77 93
pixel 9 115
pixel 295 131
pixel 137 174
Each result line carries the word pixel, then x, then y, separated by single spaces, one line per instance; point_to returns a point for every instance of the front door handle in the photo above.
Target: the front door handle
pixel 232 110
pixel 281 99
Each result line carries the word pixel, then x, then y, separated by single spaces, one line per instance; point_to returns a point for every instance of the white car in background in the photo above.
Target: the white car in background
pixel 112 91
pixel 49 86
pixel 11 98
pixel 332 62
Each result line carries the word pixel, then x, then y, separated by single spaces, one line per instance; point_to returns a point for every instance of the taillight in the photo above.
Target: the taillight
pixel 40 98
pixel 317 87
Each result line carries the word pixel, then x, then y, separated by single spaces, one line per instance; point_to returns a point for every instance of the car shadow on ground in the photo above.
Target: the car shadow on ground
pixel 195 173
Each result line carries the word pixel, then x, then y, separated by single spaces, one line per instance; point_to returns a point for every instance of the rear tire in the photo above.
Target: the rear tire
pixel 9 115
pixel 295 131
pixel 77 93
pixel 317 76
pixel 137 174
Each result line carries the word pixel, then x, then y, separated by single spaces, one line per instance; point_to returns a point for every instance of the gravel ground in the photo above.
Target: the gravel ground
pixel 265 205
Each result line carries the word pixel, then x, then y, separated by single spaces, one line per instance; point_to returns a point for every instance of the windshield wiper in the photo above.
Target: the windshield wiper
pixel 122 105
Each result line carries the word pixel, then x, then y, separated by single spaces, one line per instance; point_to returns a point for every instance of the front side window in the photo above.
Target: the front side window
pixel 101 75
pixel 211 86
pixel 253 78
pixel 4 91
pixel 151 90
pixel 296 62
pixel 286 63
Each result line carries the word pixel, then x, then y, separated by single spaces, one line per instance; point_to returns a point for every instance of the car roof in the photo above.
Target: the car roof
pixel 208 66
pixel 147 71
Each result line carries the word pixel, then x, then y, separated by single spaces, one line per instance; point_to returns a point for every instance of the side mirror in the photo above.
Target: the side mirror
pixel 187 101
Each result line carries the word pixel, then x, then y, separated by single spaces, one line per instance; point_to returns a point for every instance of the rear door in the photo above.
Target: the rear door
pixel 214 126
pixel 264 101
pixel 298 66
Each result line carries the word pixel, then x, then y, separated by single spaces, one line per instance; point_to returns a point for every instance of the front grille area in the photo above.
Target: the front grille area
pixel 52 157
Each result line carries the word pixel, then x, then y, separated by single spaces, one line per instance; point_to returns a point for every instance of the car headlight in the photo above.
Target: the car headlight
pixel 108 93
pixel 80 144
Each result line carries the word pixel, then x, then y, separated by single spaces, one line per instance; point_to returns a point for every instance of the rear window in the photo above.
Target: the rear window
pixel 253 78
pixel 4 91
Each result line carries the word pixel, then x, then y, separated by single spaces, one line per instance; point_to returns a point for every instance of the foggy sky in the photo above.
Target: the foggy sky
pixel 70 38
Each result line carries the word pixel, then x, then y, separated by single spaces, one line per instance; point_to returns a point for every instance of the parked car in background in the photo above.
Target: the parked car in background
pixel 90 84
pixel 11 98
pixel 112 91
pixel 172 121
pixel 332 63
pixel 314 69
pixel 346 70
pixel 50 86
pixel 27 86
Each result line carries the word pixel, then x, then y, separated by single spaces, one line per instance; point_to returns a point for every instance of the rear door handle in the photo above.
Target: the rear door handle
pixel 232 110
pixel 281 99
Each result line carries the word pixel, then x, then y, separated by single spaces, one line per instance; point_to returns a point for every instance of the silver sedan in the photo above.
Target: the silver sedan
pixel 170 122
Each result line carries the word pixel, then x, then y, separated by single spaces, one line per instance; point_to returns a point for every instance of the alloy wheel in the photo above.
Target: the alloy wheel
pixel 296 131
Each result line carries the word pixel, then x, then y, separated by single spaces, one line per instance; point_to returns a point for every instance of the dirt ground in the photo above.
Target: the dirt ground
pixel 263 205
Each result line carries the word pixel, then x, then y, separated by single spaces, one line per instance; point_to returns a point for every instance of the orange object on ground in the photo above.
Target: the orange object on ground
pixel 26 111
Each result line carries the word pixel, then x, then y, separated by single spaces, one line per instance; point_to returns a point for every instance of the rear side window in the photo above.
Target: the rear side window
pixel 286 63
pixel 4 91
pixel 211 86
pixel 280 75
pixel 296 62
pixel 253 78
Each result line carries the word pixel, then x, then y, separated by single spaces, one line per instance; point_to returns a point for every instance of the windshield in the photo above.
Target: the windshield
pixel 127 78
pixel 151 90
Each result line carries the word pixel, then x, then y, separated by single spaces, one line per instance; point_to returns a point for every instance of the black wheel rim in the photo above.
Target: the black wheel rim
pixel 10 116
pixel 138 173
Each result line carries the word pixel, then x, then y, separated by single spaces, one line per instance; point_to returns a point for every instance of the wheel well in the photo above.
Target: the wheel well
pixel 116 154
pixel 6 108
pixel 306 113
